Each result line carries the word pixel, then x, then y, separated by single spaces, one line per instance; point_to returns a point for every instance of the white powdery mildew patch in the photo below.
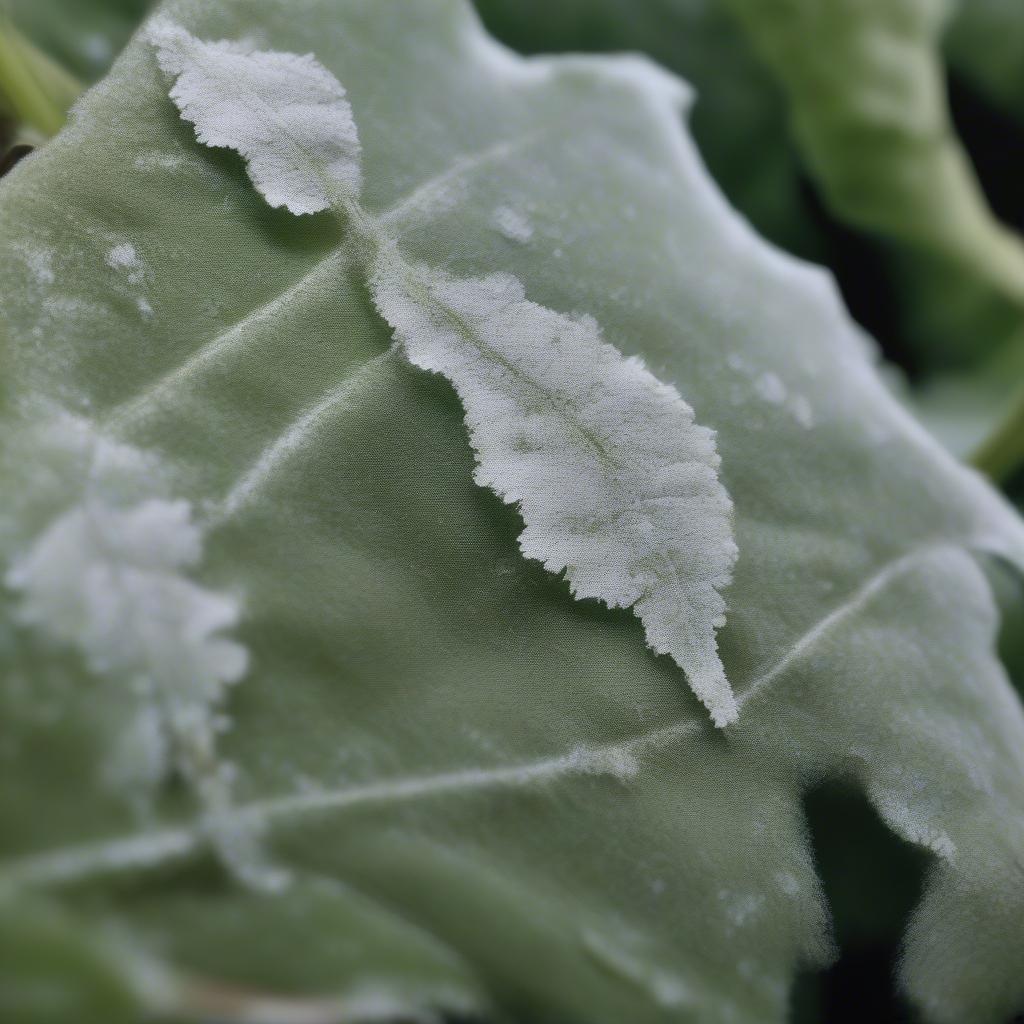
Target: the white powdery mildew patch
pixel 617 485
pixel 512 224
pixel 110 579
pixel 123 257
pixel 110 582
pixel 285 113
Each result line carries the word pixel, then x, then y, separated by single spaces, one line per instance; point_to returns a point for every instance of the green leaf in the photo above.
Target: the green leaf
pixel 443 782
pixel 867 100
pixel 616 484
pixel 35 93
pixel 985 44
pixel 738 116
pixel 83 36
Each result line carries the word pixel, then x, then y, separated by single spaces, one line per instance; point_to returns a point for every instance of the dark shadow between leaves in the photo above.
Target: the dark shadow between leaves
pixel 872 880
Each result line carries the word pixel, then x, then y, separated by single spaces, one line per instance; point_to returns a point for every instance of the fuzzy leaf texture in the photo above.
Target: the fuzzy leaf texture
pixel 616 484
pixel 437 781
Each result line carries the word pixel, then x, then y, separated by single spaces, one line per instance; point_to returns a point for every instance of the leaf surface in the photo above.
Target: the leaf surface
pixel 617 485
pixel 504 785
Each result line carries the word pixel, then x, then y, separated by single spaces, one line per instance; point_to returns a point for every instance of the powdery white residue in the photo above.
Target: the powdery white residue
pixel 740 908
pixel 618 762
pixel 40 263
pixel 770 387
pixel 512 224
pixel 788 883
pixel 802 411
pixel 285 113
pixel 124 257
pixel 617 484
pixel 110 582
pixel 158 162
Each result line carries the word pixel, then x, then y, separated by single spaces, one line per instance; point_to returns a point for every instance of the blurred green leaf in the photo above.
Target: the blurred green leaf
pixel 867 94
pixel 35 92
pixel 985 44
pixel 82 36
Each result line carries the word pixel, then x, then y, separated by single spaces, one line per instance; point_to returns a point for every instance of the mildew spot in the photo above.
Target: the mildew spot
pixel 512 224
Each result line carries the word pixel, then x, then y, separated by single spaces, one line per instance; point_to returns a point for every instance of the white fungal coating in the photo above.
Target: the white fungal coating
pixel 285 113
pixel 512 224
pixel 110 582
pixel 616 483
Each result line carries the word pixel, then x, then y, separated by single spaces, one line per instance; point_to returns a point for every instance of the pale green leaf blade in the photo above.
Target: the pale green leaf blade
pixel 616 484
pixel 429 719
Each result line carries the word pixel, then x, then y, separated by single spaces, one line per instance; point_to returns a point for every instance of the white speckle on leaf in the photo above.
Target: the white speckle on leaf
pixel 770 387
pixel 741 908
pixel 802 412
pixel 285 113
pixel 158 161
pixel 788 883
pixel 40 263
pixel 512 224
pixel 124 257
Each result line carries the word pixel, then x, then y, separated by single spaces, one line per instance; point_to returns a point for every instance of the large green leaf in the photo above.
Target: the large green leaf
pixel 739 117
pixel 454 785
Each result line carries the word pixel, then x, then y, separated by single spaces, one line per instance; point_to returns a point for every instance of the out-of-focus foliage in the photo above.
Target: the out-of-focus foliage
pixel 867 97
pixel 84 36
pixel 985 44
pixel 35 91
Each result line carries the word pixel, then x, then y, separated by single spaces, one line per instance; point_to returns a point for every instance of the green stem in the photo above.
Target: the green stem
pixel 34 90
pixel 1002 452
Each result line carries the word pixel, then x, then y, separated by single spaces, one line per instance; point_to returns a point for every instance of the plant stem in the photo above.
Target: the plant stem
pixel 1002 452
